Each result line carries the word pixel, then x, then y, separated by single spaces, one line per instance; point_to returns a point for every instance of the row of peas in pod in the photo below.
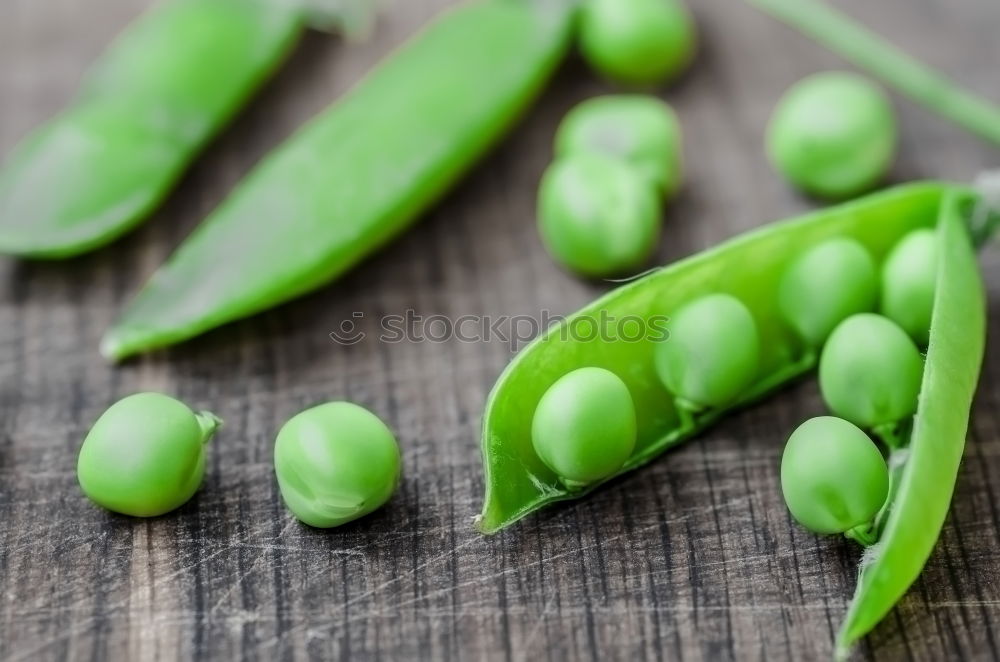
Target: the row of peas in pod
pixel 834 478
pixel 145 456
pixel 584 426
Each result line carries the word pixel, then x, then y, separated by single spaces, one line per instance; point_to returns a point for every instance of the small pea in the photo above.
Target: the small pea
pixel 584 427
pixel 909 278
pixel 638 129
pixel 335 462
pixel 833 135
pixel 712 352
pixel 637 42
pixel 870 371
pixel 833 476
pixel 825 285
pixel 145 455
pixel 597 216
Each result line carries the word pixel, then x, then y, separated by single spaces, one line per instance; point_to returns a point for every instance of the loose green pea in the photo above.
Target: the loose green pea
pixel 833 476
pixel 909 278
pixel 638 129
pixel 145 455
pixel 712 353
pixel 597 216
pixel 584 427
pixel 825 285
pixel 637 42
pixel 833 135
pixel 870 371
pixel 335 463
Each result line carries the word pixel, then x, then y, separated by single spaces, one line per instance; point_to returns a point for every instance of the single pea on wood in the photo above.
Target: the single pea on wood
pixel 145 455
pixel 584 427
pixel 870 373
pixel 909 277
pixel 712 353
pixel 637 42
pixel 597 216
pixel 639 129
pixel 833 476
pixel 827 284
pixel 335 462
pixel 833 135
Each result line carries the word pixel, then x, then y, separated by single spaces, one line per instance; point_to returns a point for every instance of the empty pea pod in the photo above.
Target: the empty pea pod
pixel 144 111
pixel 357 174
pixel 750 268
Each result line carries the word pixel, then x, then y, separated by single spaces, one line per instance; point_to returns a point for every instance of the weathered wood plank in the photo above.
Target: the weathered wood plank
pixel 692 558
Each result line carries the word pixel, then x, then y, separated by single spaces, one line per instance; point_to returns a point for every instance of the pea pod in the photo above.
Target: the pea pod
pixel 356 175
pixel 146 108
pixel 750 268
pixel 926 471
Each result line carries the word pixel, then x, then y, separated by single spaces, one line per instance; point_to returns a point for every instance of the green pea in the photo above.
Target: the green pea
pixel 833 476
pixel 909 278
pixel 145 455
pixel 825 285
pixel 712 353
pixel 833 135
pixel 638 129
pixel 335 463
pixel 870 371
pixel 597 216
pixel 637 42
pixel 584 427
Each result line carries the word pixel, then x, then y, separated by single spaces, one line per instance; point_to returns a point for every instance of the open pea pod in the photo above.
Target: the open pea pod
pixel 750 267
pixel 929 466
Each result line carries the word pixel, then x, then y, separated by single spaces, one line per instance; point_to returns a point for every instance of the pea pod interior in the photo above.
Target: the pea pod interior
pixel 748 267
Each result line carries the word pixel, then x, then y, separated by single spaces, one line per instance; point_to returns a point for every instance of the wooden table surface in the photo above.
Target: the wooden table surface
pixel 692 558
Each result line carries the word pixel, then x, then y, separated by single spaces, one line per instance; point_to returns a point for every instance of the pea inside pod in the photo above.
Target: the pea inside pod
pixel 145 455
pixel 597 216
pixel 909 275
pixel 827 284
pixel 638 129
pixel 870 373
pixel 335 463
pixel 833 477
pixel 584 427
pixel 712 353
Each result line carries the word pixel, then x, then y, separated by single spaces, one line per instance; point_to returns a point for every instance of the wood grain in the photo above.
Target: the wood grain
pixel 692 558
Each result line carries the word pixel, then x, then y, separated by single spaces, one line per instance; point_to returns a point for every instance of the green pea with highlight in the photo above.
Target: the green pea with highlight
pixel 638 129
pixel 584 427
pixel 145 455
pixel 833 135
pixel 909 279
pixel 711 354
pixel 833 477
pixel 637 42
pixel 870 373
pixel 335 462
pixel 825 285
pixel 597 215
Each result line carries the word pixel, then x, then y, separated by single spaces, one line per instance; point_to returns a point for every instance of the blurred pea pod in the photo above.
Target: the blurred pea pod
pixel 356 175
pixel 145 109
